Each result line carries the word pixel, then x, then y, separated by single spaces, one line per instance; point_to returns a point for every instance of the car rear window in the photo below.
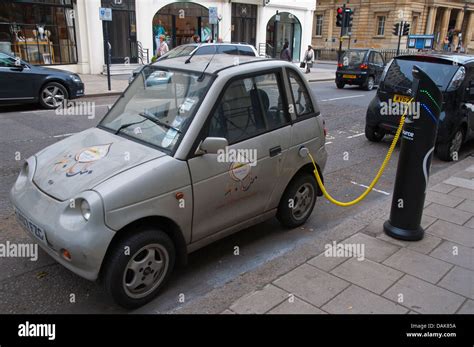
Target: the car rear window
pixel 244 50
pixel 399 75
pixel 350 58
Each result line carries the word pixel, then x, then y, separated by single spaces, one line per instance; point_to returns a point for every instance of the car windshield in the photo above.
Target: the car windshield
pixel 158 106
pixel 179 52
pixel 399 75
pixel 353 57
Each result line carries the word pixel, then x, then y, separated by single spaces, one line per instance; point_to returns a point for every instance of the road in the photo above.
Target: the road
pixel 46 287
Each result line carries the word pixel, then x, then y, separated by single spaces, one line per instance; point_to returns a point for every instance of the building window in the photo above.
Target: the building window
pixel 380 25
pixel 39 32
pixel 319 25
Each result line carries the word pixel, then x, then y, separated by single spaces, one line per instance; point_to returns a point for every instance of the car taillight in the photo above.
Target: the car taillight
pixel 339 65
pixel 364 66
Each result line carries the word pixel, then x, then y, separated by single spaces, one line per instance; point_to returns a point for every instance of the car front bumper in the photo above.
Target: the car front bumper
pixel 86 241
pixel 76 90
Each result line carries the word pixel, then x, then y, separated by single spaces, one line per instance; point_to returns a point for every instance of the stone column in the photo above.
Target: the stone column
pixel 430 23
pixel 458 27
pixel 330 21
pixel 444 26
pixel 467 38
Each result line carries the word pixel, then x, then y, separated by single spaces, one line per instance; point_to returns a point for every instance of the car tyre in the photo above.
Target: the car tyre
pixel 340 85
pixel 445 151
pixel 297 202
pixel 374 134
pixel 53 95
pixel 138 266
pixel 369 84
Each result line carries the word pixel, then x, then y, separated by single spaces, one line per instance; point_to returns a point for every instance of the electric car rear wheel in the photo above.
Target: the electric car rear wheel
pixel 369 85
pixel 374 134
pixel 298 201
pixel 340 85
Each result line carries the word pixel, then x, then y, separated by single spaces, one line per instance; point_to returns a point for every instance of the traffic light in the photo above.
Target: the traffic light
pixel 406 29
pixel 396 29
pixel 348 18
pixel 339 17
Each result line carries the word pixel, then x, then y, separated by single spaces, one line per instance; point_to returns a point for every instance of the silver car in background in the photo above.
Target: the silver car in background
pixel 190 153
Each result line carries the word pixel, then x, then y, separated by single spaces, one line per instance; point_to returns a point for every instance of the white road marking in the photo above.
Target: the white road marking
pixel 356 135
pixel 62 135
pixel 328 143
pixel 343 97
pixel 375 190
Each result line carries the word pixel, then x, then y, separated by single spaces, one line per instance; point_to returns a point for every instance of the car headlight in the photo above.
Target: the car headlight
pixel 76 78
pixel 85 210
pixel 457 80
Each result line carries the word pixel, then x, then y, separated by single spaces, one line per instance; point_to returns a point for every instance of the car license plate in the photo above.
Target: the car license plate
pixel 401 98
pixel 31 227
pixel 349 76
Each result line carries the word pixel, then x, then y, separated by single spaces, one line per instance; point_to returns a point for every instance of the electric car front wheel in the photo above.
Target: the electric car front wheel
pixel 447 151
pixel 138 267
pixel 373 134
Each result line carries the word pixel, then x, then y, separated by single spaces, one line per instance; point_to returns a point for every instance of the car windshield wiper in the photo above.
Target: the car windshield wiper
pixel 127 125
pixel 158 122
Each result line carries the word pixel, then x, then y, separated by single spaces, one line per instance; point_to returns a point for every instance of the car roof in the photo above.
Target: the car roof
pixel 201 44
pixel 459 58
pixel 217 62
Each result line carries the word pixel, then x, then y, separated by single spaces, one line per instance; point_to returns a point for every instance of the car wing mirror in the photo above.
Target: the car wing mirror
pixel 211 145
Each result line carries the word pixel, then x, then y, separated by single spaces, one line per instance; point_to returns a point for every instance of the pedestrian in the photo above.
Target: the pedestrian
pixel 163 46
pixel 285 53
pixel 446 44
pixel 309 58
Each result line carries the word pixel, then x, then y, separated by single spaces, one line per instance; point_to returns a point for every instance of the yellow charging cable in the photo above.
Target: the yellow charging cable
pixel 377 177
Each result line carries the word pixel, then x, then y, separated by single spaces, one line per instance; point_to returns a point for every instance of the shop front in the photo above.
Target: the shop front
pixel 39 32
pixel 284 29
pixel 244 23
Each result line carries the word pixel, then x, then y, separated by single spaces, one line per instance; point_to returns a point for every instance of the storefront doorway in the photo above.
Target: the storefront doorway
pixel 281 28
pixel 244 23
pixel 122 31
pixel 181 23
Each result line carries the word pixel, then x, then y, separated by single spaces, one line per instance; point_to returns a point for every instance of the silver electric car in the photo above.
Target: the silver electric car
pixel 193 150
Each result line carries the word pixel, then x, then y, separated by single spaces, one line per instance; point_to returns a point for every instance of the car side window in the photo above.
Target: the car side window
pixel 248 107
pixel 206 50
pixel 371 58
pixel 302 103
pixel 378 59
pixel 244 50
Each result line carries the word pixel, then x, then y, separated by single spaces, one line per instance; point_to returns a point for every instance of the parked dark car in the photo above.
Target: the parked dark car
pixel 454 75
pixel 361 67
pixel 190 49
pixel 21 82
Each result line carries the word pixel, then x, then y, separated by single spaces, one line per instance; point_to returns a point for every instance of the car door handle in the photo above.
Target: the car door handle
pixel 275 151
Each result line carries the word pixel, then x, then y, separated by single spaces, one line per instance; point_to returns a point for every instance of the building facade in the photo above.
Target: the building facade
pixel 69 33
pixel 373 22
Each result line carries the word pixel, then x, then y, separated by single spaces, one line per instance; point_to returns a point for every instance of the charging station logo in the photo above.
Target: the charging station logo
pixel 408 135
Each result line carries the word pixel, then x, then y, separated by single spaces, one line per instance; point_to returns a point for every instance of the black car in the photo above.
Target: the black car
pixel 21 82
pixel 454 75
pixel 361 67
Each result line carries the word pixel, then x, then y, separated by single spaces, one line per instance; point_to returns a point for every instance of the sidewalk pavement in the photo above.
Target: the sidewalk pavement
pixel 434 275
pixel 96 85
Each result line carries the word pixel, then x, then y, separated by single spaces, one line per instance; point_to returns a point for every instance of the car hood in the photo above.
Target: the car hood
pixel 85 160
pixel 48 70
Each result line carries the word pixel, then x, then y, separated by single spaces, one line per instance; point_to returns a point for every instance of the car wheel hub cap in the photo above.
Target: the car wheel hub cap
pixel 302 201
pixel 456 143
pixel 53 96
pixel 145 271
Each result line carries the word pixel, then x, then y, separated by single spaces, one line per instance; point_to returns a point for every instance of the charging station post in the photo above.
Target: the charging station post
pixel 414 163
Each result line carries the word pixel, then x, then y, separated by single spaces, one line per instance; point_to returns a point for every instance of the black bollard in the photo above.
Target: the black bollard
pixel 414 163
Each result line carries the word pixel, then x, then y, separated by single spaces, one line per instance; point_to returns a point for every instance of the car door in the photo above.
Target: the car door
pixel 378 65
pixel 469 97
pixel 20 85
pixel 228 192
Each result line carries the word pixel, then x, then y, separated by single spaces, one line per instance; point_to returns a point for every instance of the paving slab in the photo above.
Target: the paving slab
pixel 460 182
pixel 367 274
pixel 259 301
pixel 443 199
pixel 423 297
pixel 455 254
pixel 374 249
pixel 442 188
pixel 462 193
pixel 447 214
pixel 467 308
pixel 311 284
pixel 459 280
pixel 356 300
pixel 419 265
pixel 452 232
pixel 297 306
pixel 424 246
pixel 467 205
